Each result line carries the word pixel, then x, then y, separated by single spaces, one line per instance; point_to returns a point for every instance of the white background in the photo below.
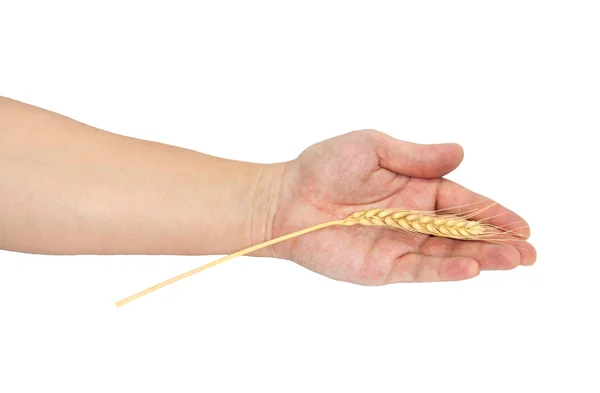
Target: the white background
pixel 515 82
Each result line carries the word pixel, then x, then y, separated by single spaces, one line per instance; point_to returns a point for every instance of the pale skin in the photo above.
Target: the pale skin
pixel 69 188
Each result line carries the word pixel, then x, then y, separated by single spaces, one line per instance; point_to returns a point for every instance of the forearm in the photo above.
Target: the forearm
pixel 68 188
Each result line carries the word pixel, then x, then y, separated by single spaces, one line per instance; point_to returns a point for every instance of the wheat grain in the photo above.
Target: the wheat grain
pixel 435 223
pixel 425 223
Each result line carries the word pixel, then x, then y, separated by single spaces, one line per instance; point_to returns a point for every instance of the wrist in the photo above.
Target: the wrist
pixel 264 205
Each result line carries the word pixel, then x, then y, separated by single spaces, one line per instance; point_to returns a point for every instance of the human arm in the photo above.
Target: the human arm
pixel 68 188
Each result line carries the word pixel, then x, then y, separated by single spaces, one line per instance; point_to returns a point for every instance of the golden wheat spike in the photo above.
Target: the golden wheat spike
pixel 444 225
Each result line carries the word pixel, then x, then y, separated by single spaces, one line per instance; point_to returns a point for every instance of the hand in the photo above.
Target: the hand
pixel 368 169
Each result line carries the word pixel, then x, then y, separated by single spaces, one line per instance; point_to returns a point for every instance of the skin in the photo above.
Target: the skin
pixel 69 188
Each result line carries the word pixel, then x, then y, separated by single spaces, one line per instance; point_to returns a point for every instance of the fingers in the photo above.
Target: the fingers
pixel 415 267
pixel 442 259
pixel 461 199
pixel 489 256
pixel 416 160
pixel 513 252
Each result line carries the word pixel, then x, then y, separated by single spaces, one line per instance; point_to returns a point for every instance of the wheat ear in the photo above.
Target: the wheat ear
pixel 452 226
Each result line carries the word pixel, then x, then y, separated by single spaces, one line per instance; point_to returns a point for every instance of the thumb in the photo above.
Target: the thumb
pixel 416 160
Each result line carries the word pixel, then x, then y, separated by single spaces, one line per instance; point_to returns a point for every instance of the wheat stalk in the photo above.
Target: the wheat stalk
pixel 435 223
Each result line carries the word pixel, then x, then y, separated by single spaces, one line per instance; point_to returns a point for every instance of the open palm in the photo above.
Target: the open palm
pixel 368 169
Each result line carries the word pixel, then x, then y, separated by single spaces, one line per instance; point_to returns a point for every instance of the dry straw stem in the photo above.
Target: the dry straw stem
pixel 441 223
